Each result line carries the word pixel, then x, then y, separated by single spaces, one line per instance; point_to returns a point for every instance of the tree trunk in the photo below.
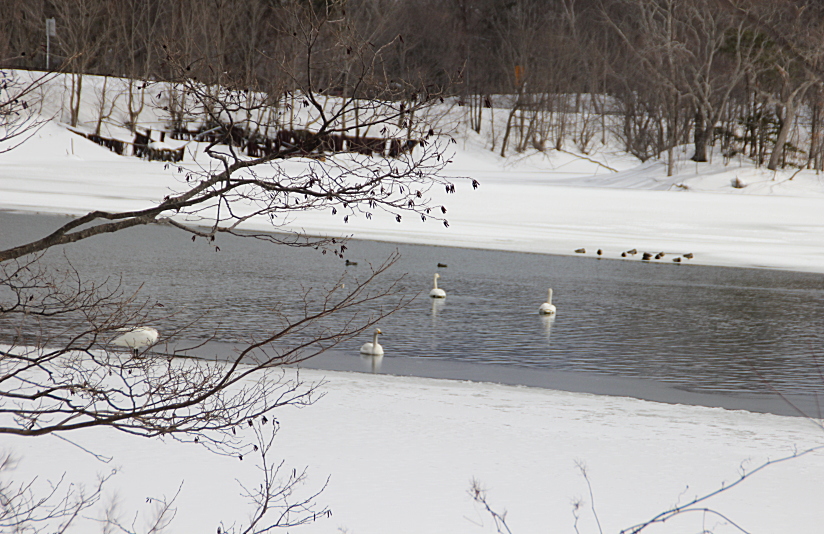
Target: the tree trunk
pixel 101 112
pixel 74 98
pixel 508 130
pixel 701 138
pixel 783 133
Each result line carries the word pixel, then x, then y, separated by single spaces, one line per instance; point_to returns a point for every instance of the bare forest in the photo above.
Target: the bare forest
pixel 742 76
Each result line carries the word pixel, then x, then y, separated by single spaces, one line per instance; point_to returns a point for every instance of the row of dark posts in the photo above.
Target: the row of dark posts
pixel 141 147
pixel 297 141
pixel 306 142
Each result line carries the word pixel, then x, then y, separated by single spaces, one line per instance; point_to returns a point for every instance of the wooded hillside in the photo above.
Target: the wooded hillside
pixel 742 75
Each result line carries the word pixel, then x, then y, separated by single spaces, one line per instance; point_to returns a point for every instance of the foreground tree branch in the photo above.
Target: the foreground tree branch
pixel 366 152
pixel 60 379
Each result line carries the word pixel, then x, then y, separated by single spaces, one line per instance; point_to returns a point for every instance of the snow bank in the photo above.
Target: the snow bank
pixel 401 453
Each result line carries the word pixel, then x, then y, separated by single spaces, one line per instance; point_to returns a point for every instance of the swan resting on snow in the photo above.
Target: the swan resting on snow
pixel 136 337
pixel 374 348
pixel 547 308
pixel 437 293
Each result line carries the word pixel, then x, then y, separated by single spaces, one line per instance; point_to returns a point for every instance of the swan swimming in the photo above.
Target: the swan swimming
pixel 136 337
pixel 374 348
pixel 547 308
pixel 437 293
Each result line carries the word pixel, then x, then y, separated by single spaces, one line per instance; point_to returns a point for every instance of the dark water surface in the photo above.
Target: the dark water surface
pixel 668 332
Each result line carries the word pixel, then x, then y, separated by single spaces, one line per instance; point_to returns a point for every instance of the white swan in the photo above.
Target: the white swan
pixel 136 337
pixel 437 293
pixel 547 308
pixel 374 348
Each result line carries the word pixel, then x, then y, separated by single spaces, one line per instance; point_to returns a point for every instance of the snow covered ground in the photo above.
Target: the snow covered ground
pixel 401 451
pixel 520 206
pixel 553 202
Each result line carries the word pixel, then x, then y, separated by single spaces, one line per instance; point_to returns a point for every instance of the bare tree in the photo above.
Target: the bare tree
pixel 789 98
pixel 20 100
pixel 35 298
pixel 696 53
pixel 83 30
pixel 792 31
pixel 701 504
pixel 23 509
pixel 137 27
pixel 59 370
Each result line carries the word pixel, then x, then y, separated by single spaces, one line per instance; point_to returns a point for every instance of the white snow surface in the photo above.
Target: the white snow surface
pixel 401 451
pixel 546 202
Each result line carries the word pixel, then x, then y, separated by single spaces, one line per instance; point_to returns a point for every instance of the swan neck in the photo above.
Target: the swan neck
pixel 375 340
pixel 435 278
pixel 549 297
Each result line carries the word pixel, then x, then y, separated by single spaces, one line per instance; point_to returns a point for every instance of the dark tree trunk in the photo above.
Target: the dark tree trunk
pixel 701 138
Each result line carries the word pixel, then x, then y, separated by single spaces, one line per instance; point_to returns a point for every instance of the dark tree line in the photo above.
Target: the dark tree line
pixel 744 76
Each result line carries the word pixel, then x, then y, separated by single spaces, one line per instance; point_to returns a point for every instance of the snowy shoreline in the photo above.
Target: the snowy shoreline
pixel 401 451
pixel 525 208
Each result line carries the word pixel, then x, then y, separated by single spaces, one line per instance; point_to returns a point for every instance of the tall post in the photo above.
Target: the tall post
pixel 51 31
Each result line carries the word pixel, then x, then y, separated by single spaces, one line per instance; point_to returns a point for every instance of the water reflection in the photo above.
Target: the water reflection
pixel 546 321
pixel 437 306
pixel 372 361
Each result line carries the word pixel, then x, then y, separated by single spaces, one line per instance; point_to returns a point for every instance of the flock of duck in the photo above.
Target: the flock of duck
pixel 373 348
pixel 645 256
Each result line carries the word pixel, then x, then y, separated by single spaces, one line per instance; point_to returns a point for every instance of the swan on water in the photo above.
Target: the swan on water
pixel 547 308
pixel 374 348
pixel 136 337
pixel 437 293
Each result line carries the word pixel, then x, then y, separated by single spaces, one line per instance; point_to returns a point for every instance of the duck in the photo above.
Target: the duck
pixel 547 308
pixel 580 251
pixel 374 348
pixel 136 337
pixel 437 293
pixel 442 265
pixel 350 262
pixel 689 255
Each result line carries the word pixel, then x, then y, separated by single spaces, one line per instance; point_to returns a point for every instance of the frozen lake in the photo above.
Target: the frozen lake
pixel 656 330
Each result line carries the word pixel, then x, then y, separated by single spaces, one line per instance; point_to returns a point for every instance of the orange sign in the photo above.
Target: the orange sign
pixel 519 75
